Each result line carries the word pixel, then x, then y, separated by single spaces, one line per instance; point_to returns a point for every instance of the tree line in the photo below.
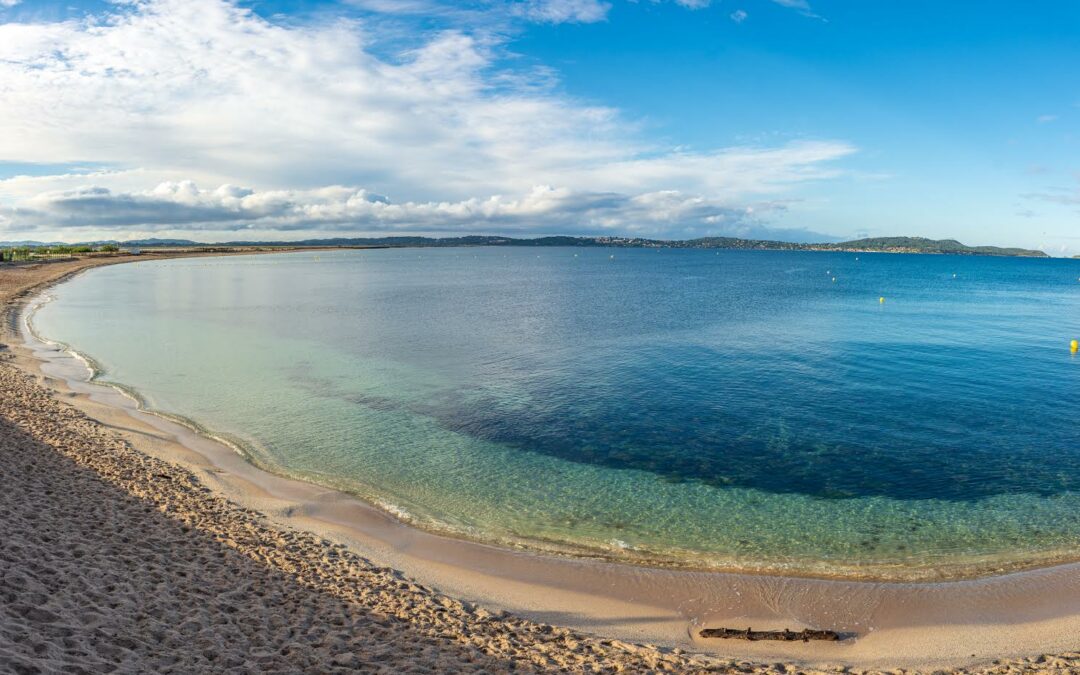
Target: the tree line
pixel 24 253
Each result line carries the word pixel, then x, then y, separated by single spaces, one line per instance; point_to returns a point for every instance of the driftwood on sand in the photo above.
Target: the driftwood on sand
pixel 785 635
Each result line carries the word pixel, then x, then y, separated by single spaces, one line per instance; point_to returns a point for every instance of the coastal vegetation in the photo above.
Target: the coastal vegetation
pixel 39 252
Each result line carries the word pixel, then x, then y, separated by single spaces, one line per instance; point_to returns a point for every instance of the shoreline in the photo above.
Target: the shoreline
pixel 255 596
pixel 959 622
pixel 973 569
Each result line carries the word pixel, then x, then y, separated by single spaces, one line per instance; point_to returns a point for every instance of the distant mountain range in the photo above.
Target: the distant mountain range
pixel 876 244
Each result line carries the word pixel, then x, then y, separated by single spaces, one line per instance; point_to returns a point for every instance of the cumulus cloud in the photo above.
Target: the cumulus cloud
pixel 174 93
pixel 621 199
pixel 208 87
pixel 739 15
pixel 229 208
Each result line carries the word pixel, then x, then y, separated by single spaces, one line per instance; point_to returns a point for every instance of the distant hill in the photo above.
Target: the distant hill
pixel 145 243
pixel 879 244
pixel 876 244
pixel 923 245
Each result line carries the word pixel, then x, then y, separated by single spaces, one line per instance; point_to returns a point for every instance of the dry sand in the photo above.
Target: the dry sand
pixel 115 559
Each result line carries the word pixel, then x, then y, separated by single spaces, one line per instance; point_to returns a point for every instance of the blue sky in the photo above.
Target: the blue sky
pixel 771 118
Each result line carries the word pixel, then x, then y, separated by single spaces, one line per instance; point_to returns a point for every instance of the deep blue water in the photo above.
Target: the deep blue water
pixel 569 396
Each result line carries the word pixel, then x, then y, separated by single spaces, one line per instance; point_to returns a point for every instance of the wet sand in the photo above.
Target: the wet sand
pixel 90 470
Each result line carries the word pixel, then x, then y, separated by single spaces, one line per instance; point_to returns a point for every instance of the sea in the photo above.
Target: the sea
pixel 860 415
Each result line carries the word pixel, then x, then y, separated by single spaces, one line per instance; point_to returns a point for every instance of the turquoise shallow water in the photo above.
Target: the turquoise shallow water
pixel 732 409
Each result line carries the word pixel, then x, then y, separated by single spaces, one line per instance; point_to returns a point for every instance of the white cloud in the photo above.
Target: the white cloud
pixel 739 15
pixel 398 6
pixel 168 91
pixel 564 11
pixel 182 205
pixel 1064 196
pixel 496 11
pixel 1044 119
pixel 694 4
pixel 209 88
pixel 9 3
pixel 731 174
pixel 803 6
pixel 491 13
pixel 613 195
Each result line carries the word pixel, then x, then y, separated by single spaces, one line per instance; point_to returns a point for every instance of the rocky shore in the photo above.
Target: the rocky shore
pixel 115 561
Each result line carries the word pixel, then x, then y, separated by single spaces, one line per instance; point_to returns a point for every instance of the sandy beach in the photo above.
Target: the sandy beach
pixel 130 546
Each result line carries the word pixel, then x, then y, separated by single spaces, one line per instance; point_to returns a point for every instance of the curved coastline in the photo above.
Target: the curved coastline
pixel 891 623
pixel 952 567
pixel 94 370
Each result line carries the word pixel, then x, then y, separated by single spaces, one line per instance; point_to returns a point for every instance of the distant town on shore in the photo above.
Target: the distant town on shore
pixel 869 245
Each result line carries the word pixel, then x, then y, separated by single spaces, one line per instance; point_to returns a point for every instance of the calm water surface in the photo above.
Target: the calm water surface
pixel 738 409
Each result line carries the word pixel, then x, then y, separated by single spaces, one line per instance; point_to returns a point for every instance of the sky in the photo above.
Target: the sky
pixel 803 120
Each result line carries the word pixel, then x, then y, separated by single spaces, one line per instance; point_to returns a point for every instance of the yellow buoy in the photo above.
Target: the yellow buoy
pixel 881 300
pixel 1074 346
